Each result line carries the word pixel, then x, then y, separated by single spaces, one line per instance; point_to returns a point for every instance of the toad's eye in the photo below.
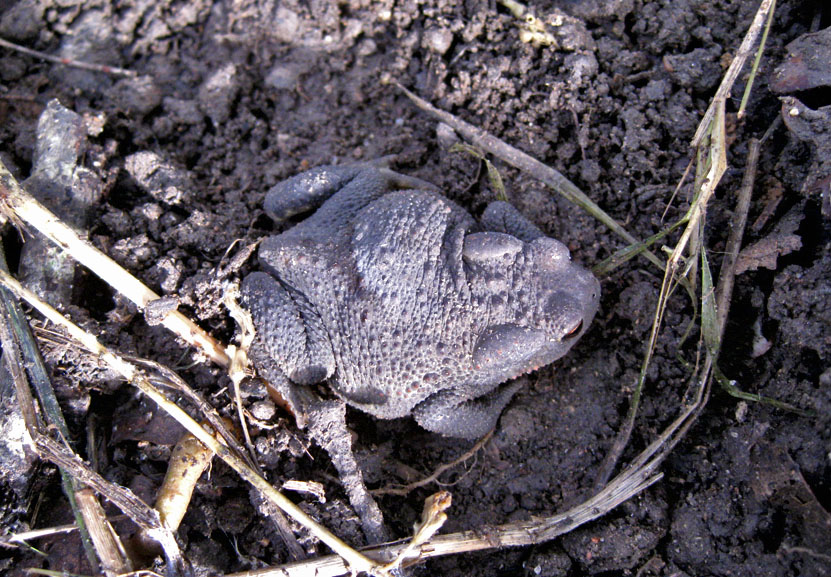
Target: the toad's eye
pixel 574 331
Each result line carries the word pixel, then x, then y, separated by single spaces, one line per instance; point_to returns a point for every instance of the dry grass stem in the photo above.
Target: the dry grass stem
pixel 130 372
pixel 744 51
pixel 308 487
pixel 111 553
pixel 23 537
pixel 18 205
pixel 754 69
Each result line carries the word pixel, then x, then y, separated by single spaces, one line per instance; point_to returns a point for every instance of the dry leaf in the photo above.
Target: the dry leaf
pixel 763 254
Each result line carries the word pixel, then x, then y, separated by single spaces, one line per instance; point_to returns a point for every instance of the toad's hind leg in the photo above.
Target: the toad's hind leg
pixel 327 425
pixel 307 190
pixel 291 350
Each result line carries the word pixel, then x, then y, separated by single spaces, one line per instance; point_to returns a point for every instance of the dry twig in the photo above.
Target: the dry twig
pixel 727 274
pixel 111 70
pixel 406 489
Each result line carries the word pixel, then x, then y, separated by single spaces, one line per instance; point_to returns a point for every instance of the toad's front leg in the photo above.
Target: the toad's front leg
pixel 455 415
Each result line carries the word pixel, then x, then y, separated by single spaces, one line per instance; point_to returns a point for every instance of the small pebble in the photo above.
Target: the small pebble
pixel 263 410
pixel 438 40
pixel 283 76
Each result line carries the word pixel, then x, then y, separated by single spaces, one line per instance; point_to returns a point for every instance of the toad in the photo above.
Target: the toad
pixel 404 304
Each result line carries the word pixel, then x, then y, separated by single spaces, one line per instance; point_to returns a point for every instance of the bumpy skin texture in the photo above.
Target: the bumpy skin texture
pixel 406 305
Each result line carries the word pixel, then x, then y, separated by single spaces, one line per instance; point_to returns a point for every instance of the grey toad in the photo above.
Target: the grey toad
pixel 407 305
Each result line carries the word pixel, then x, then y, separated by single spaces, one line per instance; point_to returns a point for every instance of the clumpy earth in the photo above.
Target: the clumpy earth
pixel 233 97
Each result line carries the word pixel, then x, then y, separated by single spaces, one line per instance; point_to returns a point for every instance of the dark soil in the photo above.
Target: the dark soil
pixel 232 97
